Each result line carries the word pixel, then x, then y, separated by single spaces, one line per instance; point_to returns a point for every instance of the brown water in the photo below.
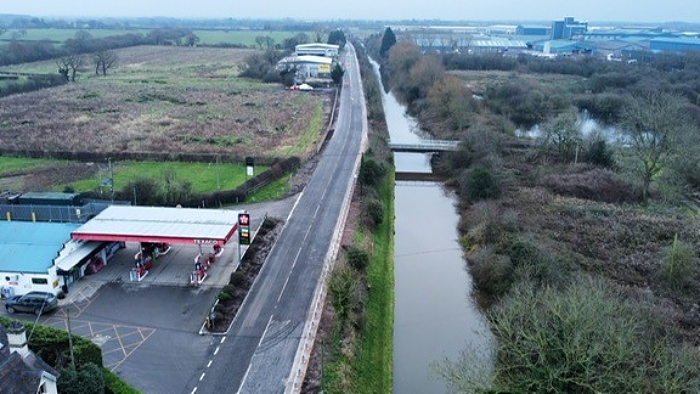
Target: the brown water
pixel 435 316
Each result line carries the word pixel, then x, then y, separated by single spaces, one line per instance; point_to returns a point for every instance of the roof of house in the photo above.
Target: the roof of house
pixel 31 246
pixel 20 375
pixel 307 59
pixel 317 45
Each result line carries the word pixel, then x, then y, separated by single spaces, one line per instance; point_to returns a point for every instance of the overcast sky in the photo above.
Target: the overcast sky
pixel 483 10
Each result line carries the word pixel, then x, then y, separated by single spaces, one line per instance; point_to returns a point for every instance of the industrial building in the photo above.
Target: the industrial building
pixel 307 67
pixel 562 47
pixel 533 30
pixel 317 49
pixel 674 44
pixel 568 28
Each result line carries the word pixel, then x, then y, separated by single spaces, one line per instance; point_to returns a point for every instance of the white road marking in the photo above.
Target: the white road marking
pixel 202 377
pixel 216 351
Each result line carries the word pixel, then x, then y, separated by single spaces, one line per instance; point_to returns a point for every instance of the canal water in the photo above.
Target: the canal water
pixel 435 316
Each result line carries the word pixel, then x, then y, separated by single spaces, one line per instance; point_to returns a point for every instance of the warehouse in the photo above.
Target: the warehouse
pixel 317 49
pixel 674 44
pixel 307 67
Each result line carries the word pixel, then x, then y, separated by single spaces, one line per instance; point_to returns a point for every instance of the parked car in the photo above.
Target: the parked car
pixel 36 302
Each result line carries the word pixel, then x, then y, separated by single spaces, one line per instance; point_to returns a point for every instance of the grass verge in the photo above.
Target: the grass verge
pixel 374 364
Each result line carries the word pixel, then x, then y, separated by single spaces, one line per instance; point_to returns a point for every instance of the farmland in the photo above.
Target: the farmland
pixel 206 37
pixel 164 99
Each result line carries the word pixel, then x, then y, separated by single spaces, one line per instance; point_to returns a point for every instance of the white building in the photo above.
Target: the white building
pixel 40 256
pixel 307 67
pixel 317 49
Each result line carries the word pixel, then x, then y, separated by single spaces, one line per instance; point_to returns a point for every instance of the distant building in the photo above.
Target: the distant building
pixel 533 30
pixel 317 49
pixel 674 44
pixel 21 371
pixel 568 28
pixel 562 47
pixel 307 67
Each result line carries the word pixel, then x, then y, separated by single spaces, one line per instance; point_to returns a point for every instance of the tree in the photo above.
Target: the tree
pixel 651 122
pixel 191 39
pixel 561 137
pixel 104 60
pixel 388 41
pixel 337 37
pixel 69 65
pixel 337 73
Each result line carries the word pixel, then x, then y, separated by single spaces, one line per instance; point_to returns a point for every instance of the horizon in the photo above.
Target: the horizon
pixel 598 11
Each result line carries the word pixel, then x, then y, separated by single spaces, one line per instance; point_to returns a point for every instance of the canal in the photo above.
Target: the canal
pixel 435 316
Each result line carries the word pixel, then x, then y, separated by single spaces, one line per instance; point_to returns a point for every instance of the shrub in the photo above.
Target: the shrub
pixel 224 297
pixel 598 153
pixel 343 292
pixel 374 212
pixel 492 273
pixel 358 259
pixel 595 184
pixel 237 279
pixel 371 171
pixel 584 339
pixel 115 385
pixel 479 183
pixel 679 266
pixel 230 290
pixel 87 379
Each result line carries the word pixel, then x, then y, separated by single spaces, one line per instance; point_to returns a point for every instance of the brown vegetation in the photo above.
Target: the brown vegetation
pixel 158 99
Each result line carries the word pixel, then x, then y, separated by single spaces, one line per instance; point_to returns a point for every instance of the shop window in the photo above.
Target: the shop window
pixel 40 281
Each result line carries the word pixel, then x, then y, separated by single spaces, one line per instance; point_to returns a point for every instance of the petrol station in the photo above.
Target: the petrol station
pixel 155 229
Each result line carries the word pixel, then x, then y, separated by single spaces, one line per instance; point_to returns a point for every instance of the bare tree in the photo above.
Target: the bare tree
pixel 104 60
pixel 652 121
pixel 69 65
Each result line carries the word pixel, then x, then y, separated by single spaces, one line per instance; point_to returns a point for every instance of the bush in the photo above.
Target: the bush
pixel 479 183
pixel 237 279
pixel 224 297
pixel 230 290
pixel 492 273
pixel 358 259
pixel 598 153
pixel 88 379
pixel 679 266
pixel 115 385
pixel 343 293
pixel 595 184
pixel 374 212
pixel 585 339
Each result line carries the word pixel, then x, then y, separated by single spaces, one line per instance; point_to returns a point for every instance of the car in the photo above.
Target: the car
pixel 36 302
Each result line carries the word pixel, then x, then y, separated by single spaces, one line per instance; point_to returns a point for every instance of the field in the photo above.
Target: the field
pixel 206 37
pixel 478 81
pixel 172 99
pixel 158 99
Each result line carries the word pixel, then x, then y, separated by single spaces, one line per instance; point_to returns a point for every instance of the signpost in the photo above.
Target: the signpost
pixel 243 232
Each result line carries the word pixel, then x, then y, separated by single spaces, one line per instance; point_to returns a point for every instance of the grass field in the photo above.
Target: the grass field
pixel 172 99
pixel 206 37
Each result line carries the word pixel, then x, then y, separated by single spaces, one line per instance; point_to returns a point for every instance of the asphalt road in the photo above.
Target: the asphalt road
pixel 258 354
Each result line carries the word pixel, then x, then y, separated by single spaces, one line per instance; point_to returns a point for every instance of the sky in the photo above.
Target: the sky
pixel 471 10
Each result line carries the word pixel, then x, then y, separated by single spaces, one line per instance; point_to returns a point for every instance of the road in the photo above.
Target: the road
pixel 258 354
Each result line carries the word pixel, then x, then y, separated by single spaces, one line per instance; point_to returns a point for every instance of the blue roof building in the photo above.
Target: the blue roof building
pixel 31 247
pixel 674 44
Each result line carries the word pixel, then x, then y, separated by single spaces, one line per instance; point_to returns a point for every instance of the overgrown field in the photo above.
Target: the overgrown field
pixel 164 99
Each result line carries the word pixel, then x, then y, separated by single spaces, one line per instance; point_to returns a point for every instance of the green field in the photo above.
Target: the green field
pixel 204 177
pixel 9 165
pixel 206 37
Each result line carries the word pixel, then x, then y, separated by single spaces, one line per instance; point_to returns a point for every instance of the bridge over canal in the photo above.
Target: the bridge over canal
pixel 424 146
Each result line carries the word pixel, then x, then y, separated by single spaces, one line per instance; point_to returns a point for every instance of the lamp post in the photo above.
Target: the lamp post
pixel 111 177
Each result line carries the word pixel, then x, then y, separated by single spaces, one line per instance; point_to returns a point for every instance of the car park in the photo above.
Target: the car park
pixel 36 302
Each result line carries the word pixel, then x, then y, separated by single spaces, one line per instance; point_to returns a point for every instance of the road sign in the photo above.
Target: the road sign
pixel 244 228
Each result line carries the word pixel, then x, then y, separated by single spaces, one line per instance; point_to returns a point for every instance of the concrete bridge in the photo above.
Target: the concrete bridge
pixel 424 146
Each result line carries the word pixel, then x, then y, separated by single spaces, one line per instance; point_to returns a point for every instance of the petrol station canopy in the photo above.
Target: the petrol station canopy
pixel 160 225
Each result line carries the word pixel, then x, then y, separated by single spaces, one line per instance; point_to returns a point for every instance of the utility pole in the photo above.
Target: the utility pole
pixel 111 177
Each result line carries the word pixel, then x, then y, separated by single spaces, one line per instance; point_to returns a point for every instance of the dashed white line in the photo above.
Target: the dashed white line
pixel 202 377
pixel 223 339
pixel 245 376
pixel 216 350
pixel 194 390
pixel 209 363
